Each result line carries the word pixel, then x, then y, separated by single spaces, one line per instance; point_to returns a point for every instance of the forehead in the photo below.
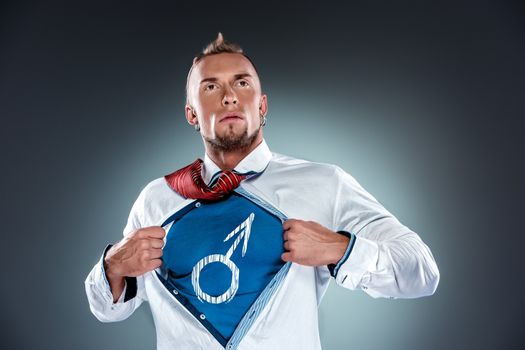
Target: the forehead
pixel 222 65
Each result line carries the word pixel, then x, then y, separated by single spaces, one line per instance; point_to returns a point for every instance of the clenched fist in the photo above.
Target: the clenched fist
pixel 309 243
pixel 134 255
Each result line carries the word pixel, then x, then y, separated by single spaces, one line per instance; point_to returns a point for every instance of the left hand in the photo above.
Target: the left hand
pixel 309 243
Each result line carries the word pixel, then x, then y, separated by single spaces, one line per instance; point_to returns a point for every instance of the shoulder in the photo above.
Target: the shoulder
pixel 157 190
pixel 155 201
pixel 325 176
pixel 292 165
pixel 155 186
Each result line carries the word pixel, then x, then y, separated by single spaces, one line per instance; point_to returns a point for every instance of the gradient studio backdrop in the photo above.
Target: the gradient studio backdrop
pixel 422 104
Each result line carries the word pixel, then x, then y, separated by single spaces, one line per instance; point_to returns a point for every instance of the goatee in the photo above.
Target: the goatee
pixel 231 142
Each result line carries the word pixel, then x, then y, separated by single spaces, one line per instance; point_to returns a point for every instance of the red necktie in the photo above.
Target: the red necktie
pixel 188 183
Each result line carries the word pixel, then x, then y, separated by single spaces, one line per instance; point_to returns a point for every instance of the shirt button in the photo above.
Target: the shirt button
pixel 198 204
pixel 175 292
pixel 202 316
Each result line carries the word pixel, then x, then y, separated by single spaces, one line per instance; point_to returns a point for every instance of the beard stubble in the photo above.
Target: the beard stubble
pixel 233 142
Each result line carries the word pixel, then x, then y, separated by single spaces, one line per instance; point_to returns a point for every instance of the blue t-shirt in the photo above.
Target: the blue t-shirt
pixel 221 255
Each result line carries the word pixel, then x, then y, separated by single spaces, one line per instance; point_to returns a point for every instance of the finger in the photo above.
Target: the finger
pixel 143 244
pixel 287 245
pixel 153 264
pixel 155 253
pixel 286 256
pixel 156 243
pixel 288 224
pixel 290 235
pixel 153 232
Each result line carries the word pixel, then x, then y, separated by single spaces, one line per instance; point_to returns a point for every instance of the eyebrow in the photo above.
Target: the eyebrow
pixel 236 76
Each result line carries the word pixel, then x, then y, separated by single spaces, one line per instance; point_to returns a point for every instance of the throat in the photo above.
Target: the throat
pixel 227 156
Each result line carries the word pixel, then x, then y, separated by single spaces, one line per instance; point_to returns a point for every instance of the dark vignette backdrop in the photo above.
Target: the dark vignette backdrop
pixel 421 102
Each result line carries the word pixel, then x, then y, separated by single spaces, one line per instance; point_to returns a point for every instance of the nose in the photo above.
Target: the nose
pixel 229 97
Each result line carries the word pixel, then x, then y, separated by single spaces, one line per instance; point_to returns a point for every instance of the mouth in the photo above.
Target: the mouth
pixel 231 116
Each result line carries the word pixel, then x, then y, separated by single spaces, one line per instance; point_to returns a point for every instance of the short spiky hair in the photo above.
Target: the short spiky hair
pixel 219 45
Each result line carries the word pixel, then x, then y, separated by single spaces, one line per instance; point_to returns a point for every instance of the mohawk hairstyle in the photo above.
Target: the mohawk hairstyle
pixel 219 45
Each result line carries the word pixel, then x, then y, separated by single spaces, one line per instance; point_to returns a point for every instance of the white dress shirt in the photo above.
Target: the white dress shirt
pixel 384 258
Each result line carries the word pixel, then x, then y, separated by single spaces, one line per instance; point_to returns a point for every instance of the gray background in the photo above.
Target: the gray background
pixel 422 103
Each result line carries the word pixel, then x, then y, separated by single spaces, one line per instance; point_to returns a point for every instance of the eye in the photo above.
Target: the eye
pixel 210 87
pixel 243 83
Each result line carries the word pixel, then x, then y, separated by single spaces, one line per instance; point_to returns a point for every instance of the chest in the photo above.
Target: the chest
pixel 234 229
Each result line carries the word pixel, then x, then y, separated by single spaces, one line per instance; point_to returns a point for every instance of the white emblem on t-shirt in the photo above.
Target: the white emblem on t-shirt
pixel 242 231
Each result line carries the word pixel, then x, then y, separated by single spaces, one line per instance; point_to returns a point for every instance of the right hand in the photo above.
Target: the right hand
pixel 135 254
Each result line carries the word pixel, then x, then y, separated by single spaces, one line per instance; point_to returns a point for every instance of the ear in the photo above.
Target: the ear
pixel 263 105
pixel 191 117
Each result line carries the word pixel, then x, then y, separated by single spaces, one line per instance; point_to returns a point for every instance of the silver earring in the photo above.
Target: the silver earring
pixel 263 120
pixel 197 127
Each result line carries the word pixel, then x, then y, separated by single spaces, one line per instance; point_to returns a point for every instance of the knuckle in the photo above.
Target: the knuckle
pixel 144 265
pixel 138 233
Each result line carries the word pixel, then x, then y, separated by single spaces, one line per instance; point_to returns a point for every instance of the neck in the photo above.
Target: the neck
pixel 228 160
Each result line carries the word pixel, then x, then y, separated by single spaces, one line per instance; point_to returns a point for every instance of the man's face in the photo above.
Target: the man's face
pixel 225 99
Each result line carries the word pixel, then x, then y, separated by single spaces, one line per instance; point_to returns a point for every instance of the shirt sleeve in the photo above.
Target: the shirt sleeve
pixel 384 258
pixel 97 287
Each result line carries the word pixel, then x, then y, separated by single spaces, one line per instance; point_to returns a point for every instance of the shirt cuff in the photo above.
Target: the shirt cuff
pixel 354 271
pixel 334 268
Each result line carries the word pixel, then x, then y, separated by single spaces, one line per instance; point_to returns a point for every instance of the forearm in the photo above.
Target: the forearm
pixel 387 258
pixel 336 251
pixel 116 283
pixel 103 302
pixel 400 266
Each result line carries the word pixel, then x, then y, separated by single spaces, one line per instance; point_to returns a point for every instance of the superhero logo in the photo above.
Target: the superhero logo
pixel 241 231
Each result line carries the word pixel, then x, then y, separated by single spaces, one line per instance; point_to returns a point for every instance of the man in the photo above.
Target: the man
pixel 236 251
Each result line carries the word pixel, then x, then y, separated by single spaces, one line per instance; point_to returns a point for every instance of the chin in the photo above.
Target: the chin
pixel 233 131
pixel 231 140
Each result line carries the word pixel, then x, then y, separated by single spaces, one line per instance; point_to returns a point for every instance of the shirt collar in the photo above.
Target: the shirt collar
pixel 255 162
